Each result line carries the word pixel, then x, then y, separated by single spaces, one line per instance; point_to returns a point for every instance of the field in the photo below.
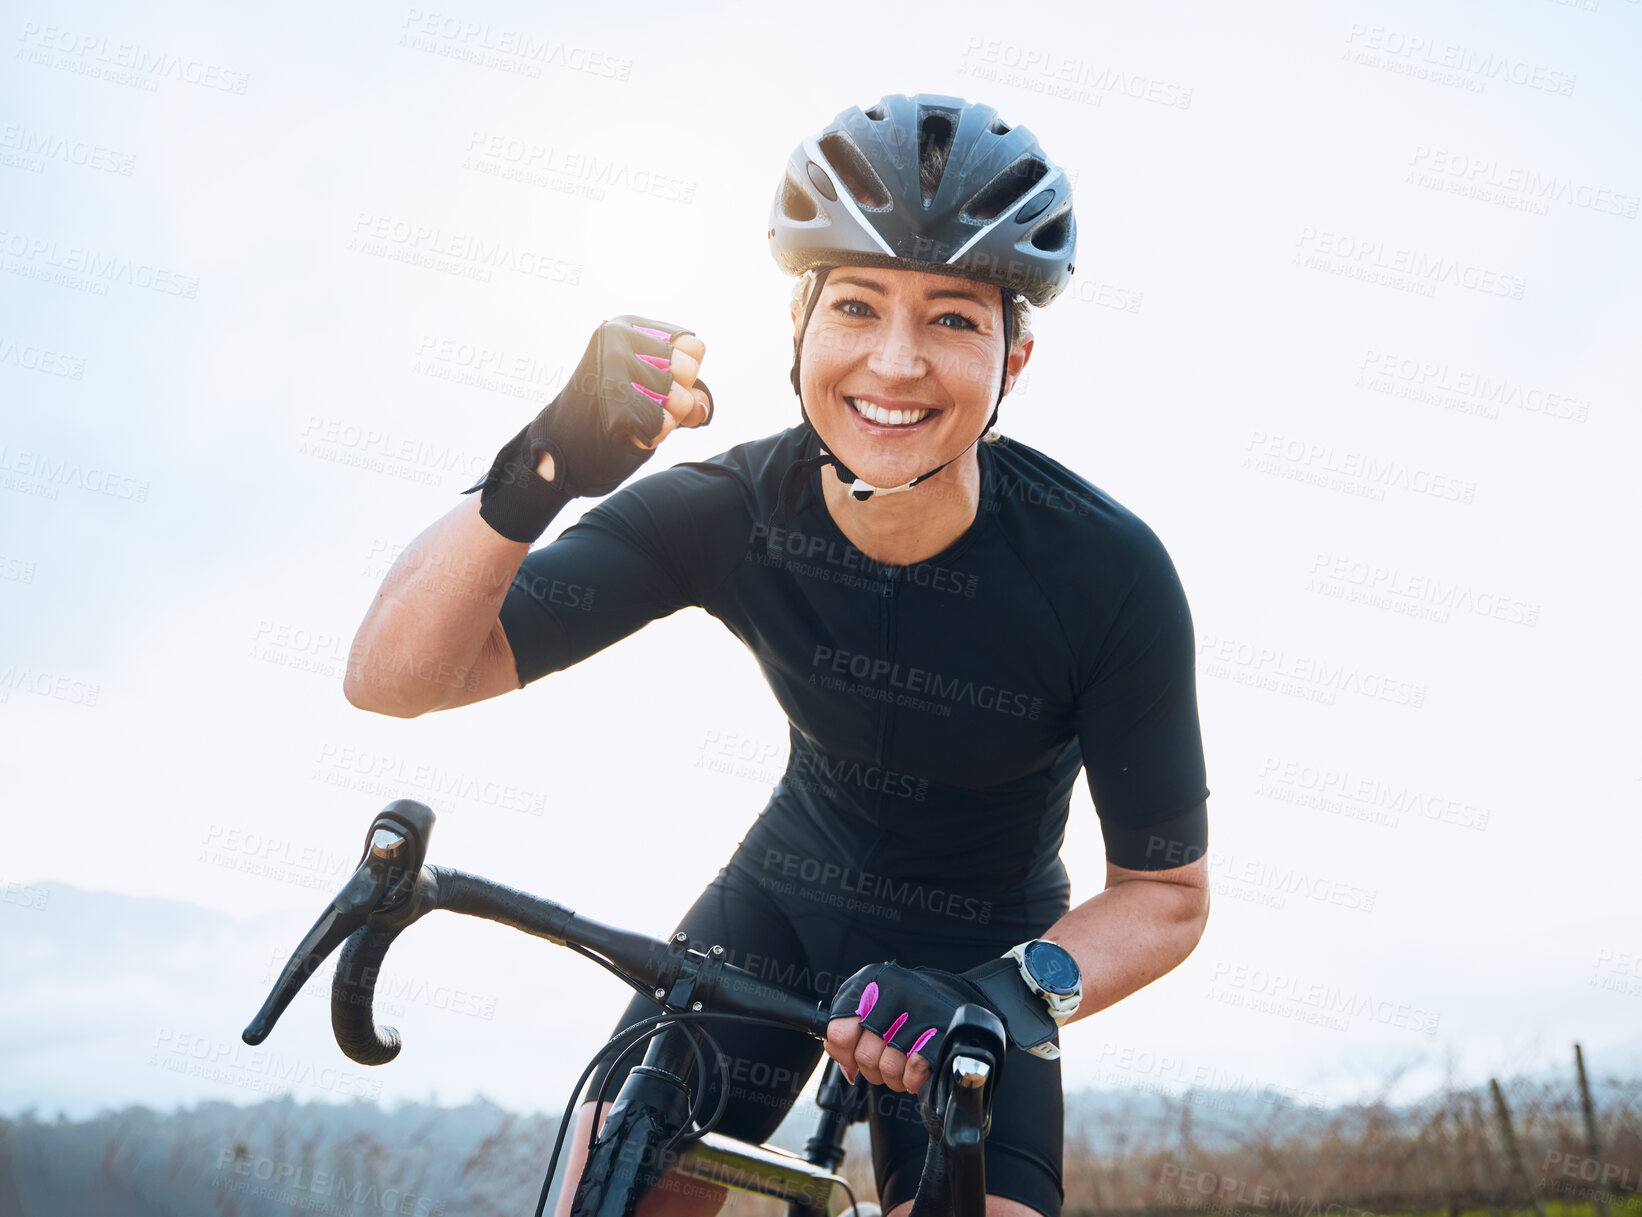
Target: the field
pixel 1457 1153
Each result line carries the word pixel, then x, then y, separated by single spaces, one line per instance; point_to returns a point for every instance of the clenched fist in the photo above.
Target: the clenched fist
pixel 638 380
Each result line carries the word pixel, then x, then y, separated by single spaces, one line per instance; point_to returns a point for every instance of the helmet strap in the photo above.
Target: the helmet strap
pixel 803 328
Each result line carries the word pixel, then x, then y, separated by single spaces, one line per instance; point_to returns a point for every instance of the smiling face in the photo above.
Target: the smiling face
pixel 900 368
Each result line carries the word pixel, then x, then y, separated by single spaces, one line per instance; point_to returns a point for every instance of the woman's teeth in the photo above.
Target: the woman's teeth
pixel 887 418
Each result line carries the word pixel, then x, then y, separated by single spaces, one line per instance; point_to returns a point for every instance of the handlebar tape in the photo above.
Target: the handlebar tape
pixel 460 892
pixel 353 990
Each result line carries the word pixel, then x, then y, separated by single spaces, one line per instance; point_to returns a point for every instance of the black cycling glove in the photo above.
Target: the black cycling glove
pixel 911 1008
pixel 616 393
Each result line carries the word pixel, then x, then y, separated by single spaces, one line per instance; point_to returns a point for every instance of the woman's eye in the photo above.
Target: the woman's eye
pixel 853 308
pixel 960 321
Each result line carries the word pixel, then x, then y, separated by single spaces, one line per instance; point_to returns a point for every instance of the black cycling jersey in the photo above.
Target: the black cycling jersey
pixel 939 711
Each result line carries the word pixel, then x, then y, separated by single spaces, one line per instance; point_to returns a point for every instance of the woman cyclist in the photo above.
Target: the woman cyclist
pixel 954 624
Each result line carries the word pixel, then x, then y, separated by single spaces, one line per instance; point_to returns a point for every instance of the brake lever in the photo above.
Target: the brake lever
pixel 382 889
pixel 965 1078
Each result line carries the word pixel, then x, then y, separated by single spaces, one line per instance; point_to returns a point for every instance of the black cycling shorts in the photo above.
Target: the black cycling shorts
pixel 786 934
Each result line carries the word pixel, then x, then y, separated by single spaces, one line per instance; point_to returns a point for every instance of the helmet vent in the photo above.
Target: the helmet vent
pixel 934 142
pixel 1000 193
pixel 796 205
pixel 998 127
pixel 876 113
pixel 852 169
pixel 1052 236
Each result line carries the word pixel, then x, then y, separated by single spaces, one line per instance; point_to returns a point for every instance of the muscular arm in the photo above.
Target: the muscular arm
pixel 432 638
pixel 1143 751
pixel 1142 926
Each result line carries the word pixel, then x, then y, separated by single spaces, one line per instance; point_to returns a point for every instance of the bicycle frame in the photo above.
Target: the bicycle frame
pixel 632 1152
pixel 631 1155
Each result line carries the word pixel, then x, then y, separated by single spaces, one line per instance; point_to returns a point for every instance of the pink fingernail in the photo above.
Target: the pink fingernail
pixel 658 398
pixel 922 1040
pixel 869 999
pixel 895 1026
pixel 644 329
pixel 657 361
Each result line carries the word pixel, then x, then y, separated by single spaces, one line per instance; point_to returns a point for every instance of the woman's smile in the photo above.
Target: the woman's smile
pixel 883 416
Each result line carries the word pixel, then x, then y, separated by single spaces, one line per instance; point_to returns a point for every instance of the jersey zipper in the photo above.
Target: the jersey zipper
pixel 886 708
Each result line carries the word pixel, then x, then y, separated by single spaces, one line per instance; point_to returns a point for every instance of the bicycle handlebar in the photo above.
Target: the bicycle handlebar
pixel 392 888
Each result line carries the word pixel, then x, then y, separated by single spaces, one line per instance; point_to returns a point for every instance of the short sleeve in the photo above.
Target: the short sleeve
pixel 657 545
pixel 1138 727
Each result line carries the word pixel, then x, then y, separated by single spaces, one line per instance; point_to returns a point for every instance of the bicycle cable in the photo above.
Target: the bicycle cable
pixel 695 1108
pixel 698 1095
pixel 631 1037
pixel 621 1041
pixel 701 1129
pixel 631 982
pixel 697 1099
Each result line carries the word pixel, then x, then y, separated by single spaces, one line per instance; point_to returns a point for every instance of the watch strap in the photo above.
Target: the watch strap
pixel 1030 1025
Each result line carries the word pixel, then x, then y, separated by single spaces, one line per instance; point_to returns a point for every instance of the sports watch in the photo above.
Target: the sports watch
pixel 1050 971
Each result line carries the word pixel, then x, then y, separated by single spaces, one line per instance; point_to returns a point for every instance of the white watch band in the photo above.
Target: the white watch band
pixel 1061 1007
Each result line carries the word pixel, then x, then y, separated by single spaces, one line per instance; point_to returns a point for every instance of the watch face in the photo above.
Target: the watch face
pixel 1053 968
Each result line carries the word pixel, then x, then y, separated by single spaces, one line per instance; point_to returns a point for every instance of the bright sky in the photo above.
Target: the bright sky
pixel 1354 330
